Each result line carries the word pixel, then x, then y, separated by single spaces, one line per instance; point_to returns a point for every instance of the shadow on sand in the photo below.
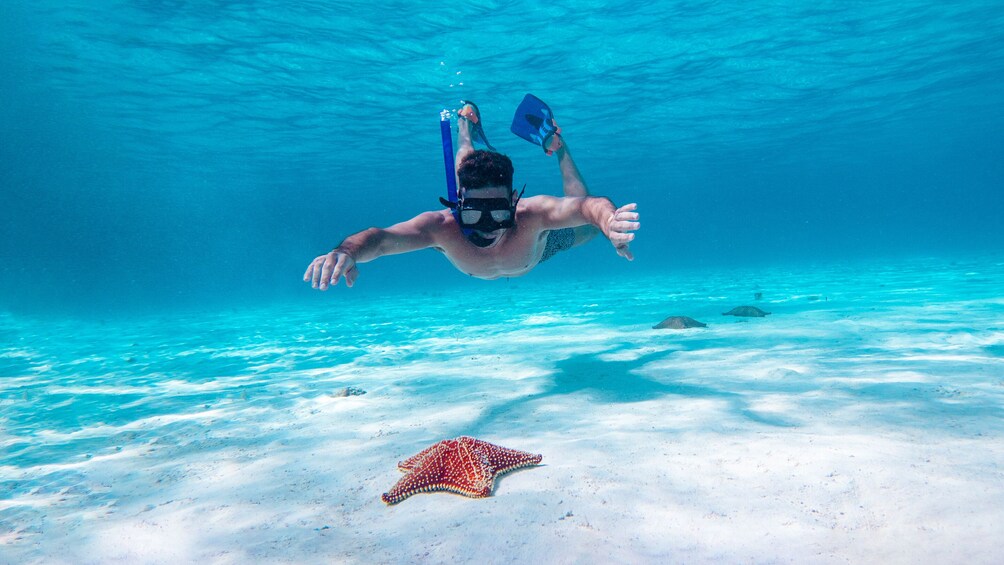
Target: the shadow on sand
pixel 607 382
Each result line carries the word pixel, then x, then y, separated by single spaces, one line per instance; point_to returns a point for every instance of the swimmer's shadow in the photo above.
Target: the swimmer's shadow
pixel 615 381
pixel 606 382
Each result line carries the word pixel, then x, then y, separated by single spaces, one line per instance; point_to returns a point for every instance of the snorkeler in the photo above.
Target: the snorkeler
pixel 490 231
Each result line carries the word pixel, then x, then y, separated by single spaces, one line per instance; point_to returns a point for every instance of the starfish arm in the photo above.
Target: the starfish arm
pixel 502 459
pixel 474 482
pixel 415 460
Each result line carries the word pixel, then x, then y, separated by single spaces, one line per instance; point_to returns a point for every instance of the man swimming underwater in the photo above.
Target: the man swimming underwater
pixel 490 232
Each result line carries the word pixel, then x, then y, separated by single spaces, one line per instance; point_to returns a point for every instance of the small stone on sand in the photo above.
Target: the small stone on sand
pixel 746 312
pixel 678 323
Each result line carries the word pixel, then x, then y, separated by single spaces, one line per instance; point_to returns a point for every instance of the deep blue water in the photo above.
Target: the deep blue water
pixel 157 154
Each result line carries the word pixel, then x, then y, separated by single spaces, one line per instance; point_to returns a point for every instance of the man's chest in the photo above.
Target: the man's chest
pixel 516 254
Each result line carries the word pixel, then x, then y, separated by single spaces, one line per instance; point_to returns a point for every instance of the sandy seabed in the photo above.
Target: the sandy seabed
pixel 861 422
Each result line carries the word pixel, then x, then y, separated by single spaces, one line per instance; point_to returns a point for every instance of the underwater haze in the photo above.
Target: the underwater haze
pixel 160 154
pixel 171 391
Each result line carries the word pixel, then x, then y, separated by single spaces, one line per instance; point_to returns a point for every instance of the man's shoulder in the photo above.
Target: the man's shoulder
pixel 434 219
pixel 540 199
pixel 540 203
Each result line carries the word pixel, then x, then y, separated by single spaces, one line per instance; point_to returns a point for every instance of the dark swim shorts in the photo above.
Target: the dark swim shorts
pixel 557 240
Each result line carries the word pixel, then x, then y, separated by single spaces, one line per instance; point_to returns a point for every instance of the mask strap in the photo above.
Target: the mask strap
pixel 448 204
pixel 517 198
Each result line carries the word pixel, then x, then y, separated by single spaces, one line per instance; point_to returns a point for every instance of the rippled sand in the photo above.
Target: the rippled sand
pixel 860 422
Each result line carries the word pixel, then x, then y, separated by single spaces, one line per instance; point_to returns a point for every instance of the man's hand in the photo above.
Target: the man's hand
pixel 327 269
pixel 623 221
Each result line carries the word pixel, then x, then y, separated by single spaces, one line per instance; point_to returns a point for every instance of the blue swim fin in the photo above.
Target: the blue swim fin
pixel 534 122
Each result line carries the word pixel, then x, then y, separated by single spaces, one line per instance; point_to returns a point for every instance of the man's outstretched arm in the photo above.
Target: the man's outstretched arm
pixel 616 224
pixel 367 245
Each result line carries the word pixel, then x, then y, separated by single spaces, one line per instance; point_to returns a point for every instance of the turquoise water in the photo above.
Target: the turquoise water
pixel 160 154
pixel 170 390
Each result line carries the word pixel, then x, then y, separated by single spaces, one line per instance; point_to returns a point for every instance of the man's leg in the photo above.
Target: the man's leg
pixel 573 185
pixel 464 144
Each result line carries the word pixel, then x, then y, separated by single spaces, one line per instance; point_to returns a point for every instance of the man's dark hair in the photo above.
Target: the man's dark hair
pixel 485 168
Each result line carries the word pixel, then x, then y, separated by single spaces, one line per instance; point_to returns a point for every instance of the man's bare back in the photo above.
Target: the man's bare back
pixel 508 251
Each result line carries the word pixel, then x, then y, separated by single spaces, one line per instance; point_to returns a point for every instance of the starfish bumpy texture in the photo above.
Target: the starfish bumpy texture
pixel 464 465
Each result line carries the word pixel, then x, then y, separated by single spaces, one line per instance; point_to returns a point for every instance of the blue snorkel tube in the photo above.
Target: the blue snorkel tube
pixel 451 166
pixel 452 200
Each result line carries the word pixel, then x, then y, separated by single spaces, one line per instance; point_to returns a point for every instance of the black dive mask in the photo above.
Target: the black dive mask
pixel 486 214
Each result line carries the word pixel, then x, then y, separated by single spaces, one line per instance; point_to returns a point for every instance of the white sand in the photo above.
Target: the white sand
pixel 863 429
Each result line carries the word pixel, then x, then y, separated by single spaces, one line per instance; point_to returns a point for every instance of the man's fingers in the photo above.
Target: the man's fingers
pixel 333 266
pixel 621 226
pixel 625 252
pixel 624 219
pixel 342 267
pixel 315 277
pixel 619 239
pixel 324 271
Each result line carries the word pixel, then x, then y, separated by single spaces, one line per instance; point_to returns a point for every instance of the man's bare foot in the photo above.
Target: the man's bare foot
pixel 463 126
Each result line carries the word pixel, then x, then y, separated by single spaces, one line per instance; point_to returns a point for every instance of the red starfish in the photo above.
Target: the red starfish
pixel 464 465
